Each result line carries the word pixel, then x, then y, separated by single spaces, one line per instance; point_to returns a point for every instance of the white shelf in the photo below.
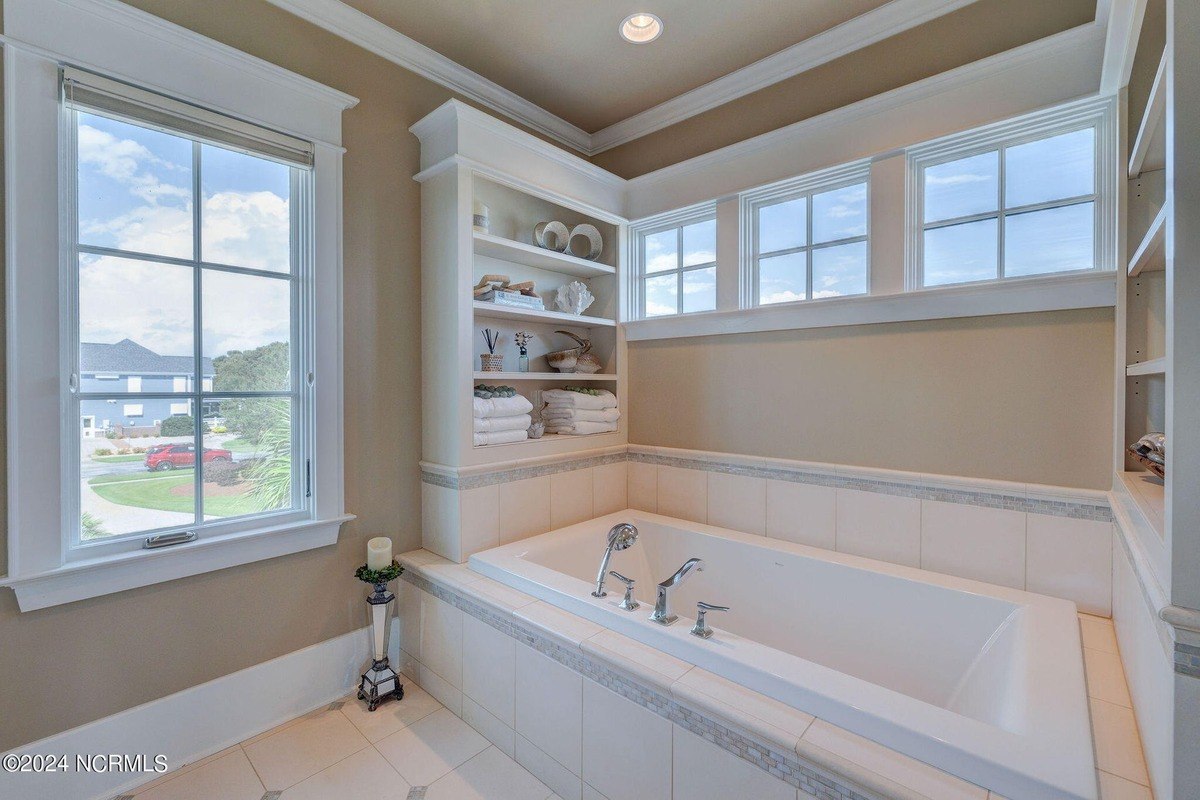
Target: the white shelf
pixel 1148 495
pixel 1150 255
pixel 520 253
pixel 567 377
pixel 1150 147
pixel 548 439
pixel 494 311
pixel 1155 366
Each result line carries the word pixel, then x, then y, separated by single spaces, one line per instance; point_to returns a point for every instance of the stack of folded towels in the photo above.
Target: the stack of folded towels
pixel 501 420
pixel 580 412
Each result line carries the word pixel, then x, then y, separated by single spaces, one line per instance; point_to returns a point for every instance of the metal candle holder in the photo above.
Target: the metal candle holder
pixel 380 682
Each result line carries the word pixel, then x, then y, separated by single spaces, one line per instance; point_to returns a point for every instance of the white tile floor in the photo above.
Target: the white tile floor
pixel 416 749
pixel 412 748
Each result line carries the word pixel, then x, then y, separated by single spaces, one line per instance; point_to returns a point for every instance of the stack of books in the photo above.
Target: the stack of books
pixel 514 299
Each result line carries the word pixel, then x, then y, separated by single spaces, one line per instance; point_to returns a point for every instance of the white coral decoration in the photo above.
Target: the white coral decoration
pixel 574 298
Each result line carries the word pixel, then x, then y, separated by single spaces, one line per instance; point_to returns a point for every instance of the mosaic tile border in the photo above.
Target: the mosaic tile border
pixel 519 473
pixel 1187 660
pixel 1098 511
pixel 787 767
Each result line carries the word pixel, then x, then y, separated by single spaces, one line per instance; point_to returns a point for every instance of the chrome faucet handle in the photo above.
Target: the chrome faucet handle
pixel 701 628
pixel 628 604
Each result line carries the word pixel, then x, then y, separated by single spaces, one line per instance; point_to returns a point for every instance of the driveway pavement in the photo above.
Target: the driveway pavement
pixel 91 468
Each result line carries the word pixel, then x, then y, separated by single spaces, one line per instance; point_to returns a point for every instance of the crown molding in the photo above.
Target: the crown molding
pixel 386 42
pixel 1081 40
pixel 377 37
pixel 855 34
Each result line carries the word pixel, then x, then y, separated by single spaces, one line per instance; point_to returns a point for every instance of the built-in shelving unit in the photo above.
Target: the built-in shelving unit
pixel 1150 256
pixel 1155 366
pixel 470 159
pixel 1143 313
pixel 564 377
pixel 497 247
pixel 1149 150
pixel 512 313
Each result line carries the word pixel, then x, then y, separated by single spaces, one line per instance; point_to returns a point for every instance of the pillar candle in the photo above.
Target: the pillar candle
pixel 379 553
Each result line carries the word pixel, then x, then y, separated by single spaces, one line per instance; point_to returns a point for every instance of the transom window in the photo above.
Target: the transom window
pixel 809 242
pixel 679 268
pixel 186 262
pixel 1019 208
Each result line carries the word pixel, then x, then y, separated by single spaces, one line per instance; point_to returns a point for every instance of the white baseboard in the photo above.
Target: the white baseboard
pixel 197 722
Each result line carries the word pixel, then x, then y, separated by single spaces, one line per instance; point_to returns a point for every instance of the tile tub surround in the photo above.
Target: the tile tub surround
pixel 1049 540
pixel 713 722
pixel 942 669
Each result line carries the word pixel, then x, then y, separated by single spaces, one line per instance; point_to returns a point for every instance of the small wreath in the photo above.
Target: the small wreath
pixel 375 576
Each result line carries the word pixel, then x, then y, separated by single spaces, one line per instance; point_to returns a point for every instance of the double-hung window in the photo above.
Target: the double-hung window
pixel 808 238
pixel 1025 200
pixel 186 256
pixel 174 325
pixel 677 266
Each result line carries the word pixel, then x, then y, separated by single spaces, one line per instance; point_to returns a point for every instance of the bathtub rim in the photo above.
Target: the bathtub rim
pixel 1023 765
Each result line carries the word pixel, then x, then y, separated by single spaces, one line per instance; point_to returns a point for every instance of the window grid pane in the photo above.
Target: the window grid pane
pixel 245 336
pixel 1047 190
pixel 830 219
pixel 673 264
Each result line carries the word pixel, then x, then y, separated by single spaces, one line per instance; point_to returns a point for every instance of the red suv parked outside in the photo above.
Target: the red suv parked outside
pixel 170 456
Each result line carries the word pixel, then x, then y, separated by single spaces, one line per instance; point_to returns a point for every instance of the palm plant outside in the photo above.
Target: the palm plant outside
pixel 271 475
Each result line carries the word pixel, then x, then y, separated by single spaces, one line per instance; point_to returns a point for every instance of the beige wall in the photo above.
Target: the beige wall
pixel 68 665
pixel 1024 397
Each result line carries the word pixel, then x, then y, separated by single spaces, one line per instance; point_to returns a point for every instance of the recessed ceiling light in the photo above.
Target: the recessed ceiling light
pixel 641 28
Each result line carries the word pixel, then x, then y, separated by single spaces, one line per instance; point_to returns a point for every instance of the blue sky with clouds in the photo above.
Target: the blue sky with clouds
pixel 135 194
pixel 957 247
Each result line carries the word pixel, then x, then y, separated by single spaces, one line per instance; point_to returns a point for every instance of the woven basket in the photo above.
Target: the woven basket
pixel 492 362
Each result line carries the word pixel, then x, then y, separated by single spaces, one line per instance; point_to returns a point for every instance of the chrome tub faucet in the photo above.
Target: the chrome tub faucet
pixel 662 604
pixel 701 627
pixel 621 537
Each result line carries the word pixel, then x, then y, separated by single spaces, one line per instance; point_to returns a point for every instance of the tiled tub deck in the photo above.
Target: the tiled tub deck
pixel 594 714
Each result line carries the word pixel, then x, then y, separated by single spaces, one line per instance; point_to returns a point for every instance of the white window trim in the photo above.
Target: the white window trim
pixel 635 291
pixel 111 38
pixel 805 185
pixel 900 298
pixel 1097 113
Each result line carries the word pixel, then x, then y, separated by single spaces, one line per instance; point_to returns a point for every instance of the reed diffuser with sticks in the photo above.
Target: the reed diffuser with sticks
pixel 491 360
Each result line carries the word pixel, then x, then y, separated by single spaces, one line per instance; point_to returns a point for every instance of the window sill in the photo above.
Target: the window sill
pixel 81 580
pixel 1089 290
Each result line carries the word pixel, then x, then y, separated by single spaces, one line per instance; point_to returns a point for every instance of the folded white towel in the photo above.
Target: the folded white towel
pixel 518 422
pixel 501 406
pixel 500 437
pixel 581 428
pixel 565 399
pixel 580 414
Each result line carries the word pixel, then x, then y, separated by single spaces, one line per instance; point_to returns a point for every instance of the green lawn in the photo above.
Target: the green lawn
pixel 141 476
pixel 153 490
pixel 239 445
pixel 122 459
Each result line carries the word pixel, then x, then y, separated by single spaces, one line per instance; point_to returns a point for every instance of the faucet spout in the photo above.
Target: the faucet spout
pixel 662 603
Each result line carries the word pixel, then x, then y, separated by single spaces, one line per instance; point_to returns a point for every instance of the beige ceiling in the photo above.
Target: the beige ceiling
pixel 566 55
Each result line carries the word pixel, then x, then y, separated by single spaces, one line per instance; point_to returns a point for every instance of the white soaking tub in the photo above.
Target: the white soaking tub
pixel 983 682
